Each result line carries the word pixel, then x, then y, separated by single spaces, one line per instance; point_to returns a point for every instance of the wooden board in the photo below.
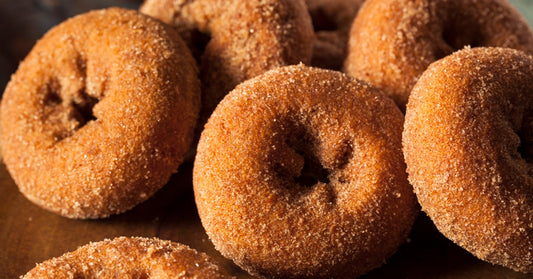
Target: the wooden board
pixel 29 234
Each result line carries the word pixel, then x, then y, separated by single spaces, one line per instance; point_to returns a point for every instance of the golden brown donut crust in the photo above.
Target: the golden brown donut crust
pixel 392 42
pixel 247 38
pixel 269 135
pixel 468 148
pixel 130 257
pixel 332 20
pixel 100 113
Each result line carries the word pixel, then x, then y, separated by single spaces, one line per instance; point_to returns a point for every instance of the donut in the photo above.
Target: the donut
pixel 392 42
pixel 237 40
pixel 299 172
pixel 468 147
pixel 130 257
pixel 331 21
pixel 100 113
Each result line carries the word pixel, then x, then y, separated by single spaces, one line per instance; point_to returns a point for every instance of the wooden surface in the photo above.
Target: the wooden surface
pixel 29 234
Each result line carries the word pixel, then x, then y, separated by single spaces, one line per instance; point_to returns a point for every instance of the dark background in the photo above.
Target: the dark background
pixel 22 22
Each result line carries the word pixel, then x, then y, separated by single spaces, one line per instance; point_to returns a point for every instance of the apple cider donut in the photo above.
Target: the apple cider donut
pixel 299 172
pixel 392 42
pixel 130 257
pixel 100 113
pixel 331 21
pixel 468 144
pixel 235 40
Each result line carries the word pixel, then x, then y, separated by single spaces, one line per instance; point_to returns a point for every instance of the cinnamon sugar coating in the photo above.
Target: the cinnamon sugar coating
pixel 100 113
pixel 299 173
pixel 331 21
pixel 392 42
pixel 236 40
pixel 468 145
pixel 130 257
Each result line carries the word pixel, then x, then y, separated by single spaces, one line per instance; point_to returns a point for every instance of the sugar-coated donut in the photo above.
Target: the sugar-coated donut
pixel 392 42
pixel 299 172
pixel 100 113
pixel 468 144
pixel 130 257
pixel 237 40
pixel 331 22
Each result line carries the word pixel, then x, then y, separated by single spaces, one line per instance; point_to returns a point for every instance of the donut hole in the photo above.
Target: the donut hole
pixel 457 39
pixel 458 33
pixel 83 105
pixel 312 172
pixel 52 96
pixel 64 112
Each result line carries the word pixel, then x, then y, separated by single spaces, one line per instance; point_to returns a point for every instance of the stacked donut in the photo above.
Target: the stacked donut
pixel 467 134
pixel 299 171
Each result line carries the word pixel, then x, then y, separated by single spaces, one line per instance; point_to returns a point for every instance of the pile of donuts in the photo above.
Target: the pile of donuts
pixel 314 148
